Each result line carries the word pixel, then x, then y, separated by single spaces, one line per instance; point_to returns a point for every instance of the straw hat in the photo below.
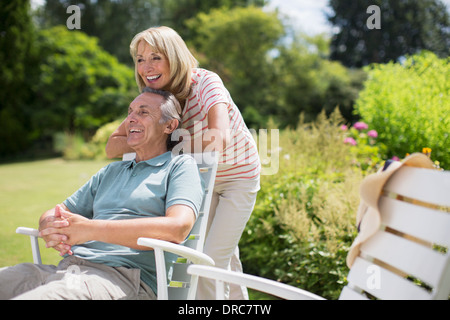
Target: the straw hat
pixel 368 215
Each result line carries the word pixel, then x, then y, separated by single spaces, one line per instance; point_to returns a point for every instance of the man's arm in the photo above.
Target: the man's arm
pixel 174 227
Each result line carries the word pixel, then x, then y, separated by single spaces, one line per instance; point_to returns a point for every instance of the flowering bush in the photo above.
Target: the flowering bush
pixel 360 126
pixel 372 134
pixel 367 151
pixel 408 104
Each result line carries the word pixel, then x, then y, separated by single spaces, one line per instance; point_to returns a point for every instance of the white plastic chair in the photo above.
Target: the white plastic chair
pixel 408 258
pixel 180 286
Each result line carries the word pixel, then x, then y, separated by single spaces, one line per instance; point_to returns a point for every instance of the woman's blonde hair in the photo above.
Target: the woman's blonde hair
pixel 168 42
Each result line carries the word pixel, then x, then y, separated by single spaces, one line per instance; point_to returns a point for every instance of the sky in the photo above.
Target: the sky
pixel 309 15
pixel 306 15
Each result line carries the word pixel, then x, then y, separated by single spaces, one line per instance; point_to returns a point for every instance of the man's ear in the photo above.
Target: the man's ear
pixel 171 126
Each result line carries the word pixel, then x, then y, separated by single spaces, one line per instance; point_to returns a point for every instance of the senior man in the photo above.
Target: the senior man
pixel 157 195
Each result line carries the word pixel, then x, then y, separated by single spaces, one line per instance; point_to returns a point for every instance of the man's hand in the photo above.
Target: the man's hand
pixel 77 230
pixel 50 230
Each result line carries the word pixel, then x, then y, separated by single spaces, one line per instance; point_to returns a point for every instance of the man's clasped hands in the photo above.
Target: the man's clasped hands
pixel 63 229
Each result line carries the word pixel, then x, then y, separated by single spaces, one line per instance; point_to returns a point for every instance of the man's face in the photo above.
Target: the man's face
pixel 143 127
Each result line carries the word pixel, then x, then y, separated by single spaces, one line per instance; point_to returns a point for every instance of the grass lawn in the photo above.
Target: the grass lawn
pixel 29 189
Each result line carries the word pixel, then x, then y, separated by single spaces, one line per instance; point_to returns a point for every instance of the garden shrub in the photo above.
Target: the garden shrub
pixel 367 150
pixel 304 219
pixel 74 147
pixel 409 105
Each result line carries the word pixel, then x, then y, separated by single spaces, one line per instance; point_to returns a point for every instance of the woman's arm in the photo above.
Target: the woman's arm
pixel 218 135
pixel 117 143
pixel 216 138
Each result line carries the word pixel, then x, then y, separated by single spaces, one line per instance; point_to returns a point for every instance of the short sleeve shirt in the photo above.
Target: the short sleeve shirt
pixel 130 190
pixel 240 159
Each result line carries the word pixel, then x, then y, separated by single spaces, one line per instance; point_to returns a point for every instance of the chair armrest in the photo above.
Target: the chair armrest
pixel 34 235
pixel 160 247
pixel 275 288
pixel 28 231
pixel 194 256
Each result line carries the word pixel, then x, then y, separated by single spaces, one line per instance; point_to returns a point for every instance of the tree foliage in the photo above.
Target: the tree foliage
pixel 266 76
pixel 309 83
pixel 407 27
pixel 17 56
pixel 180 11
pixel 408 105
pixel 240 57
pixel 80 86
pixel 115 22
pixel 73 84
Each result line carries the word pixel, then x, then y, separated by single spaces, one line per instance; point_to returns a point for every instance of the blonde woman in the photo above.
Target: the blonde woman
pixel 163 61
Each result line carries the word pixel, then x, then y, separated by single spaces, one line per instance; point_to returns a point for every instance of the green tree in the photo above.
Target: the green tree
pixel 407 27
pixel 307 82
pixel 408 105
pixel 267 76
pixel 236 44
pixel 80 86
pixel 115 22
pixel 180 11
pixel 17 58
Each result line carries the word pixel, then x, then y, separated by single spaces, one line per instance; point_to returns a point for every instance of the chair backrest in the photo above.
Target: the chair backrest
pixel 179 280
pixel 408 258
pixel 208 170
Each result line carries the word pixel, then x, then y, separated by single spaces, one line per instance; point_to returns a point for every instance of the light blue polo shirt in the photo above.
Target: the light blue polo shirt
pixel 130 190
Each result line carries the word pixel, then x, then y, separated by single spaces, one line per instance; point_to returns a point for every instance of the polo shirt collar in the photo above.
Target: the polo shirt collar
pixel 156 161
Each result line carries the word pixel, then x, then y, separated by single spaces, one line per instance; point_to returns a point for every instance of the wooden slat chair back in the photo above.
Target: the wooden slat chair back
pixel 407 258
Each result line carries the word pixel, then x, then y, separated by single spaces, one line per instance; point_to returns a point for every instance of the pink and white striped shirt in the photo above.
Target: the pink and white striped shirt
pixel 240 159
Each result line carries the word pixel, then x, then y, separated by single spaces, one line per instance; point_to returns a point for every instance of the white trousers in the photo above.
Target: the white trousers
pixel 231 206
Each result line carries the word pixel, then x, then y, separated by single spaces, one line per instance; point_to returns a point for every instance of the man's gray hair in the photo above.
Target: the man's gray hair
pixel 170 109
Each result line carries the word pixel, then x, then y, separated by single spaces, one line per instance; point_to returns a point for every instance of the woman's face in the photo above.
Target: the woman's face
pixel 152 67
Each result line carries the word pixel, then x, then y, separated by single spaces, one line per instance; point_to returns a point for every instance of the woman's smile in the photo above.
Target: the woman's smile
pixel 152 67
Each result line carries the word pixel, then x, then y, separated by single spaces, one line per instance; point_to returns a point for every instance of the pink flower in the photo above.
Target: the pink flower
pixel 395 158
pixel 350 140
pixel 372 134
pixel 344 127
pixel 360 126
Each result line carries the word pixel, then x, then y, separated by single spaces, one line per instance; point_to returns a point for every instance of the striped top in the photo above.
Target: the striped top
pixel 239 160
